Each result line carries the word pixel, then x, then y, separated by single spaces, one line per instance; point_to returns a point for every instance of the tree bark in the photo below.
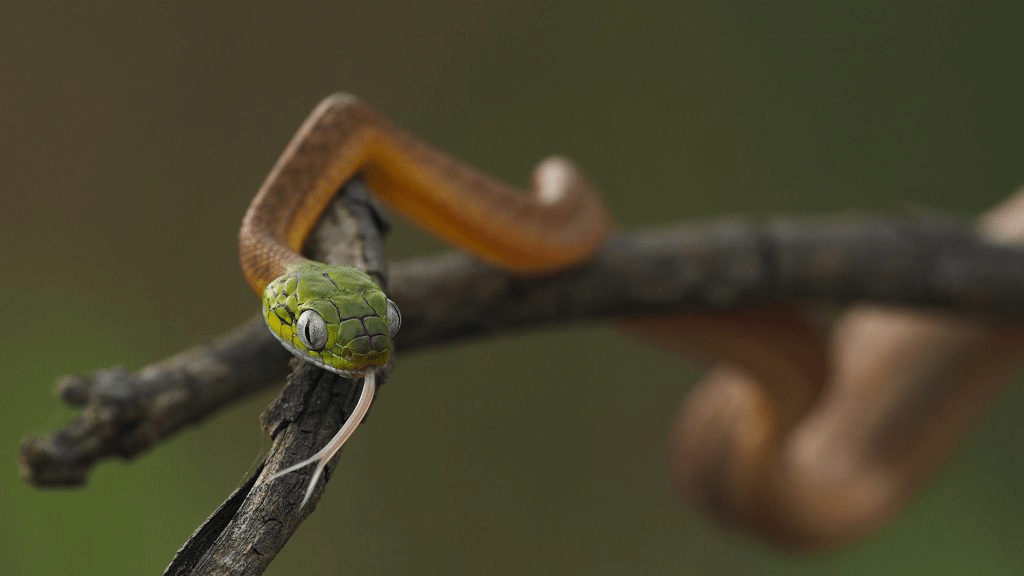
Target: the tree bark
pixel 925 262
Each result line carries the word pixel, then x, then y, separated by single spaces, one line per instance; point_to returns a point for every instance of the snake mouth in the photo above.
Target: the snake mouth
pixel 374 358
pixel 302 355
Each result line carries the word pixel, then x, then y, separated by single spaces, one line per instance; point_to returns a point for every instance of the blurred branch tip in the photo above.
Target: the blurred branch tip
pixel 850 354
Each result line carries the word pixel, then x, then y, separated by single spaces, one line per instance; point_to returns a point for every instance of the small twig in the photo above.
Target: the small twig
pixel 124 414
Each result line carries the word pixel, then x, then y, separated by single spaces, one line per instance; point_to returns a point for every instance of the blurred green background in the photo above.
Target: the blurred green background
pixel 134 134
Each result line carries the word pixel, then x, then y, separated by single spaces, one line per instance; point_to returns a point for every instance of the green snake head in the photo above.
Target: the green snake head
pixel 333 316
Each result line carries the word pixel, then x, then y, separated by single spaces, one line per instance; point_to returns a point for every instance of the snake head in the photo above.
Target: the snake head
pixel 333 316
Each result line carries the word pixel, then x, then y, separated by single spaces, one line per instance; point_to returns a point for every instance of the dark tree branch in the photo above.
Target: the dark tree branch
pixel 123 414
pixel 923 262
pixel 246 532
pixel 920 263
pixel 929 263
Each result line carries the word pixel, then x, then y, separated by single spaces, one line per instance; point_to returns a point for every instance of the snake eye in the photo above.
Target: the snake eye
pixel 394 319
pixel 312 330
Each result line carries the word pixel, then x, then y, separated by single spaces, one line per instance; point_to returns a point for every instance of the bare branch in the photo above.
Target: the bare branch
pixel 245 534
pixel 922 262
pixel 123 414
pixel 930 263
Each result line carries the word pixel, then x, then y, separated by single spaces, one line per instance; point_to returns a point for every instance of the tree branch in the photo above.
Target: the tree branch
pixel 922 262
pixel 926 262
pixel 246 532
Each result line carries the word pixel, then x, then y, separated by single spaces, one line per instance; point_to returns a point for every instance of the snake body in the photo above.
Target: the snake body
pixel 806 441
pixel 336 317
pixel 560 222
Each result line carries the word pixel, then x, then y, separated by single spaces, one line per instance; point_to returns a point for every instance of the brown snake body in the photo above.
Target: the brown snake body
pixel 805 436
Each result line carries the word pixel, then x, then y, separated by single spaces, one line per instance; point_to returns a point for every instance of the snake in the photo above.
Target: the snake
pixel 336 317
pixel 807 438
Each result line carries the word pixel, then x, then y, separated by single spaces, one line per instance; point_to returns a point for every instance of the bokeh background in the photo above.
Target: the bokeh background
pixel 133 134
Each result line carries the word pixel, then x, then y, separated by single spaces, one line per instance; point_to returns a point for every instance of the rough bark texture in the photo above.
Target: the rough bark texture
pixel 922 262
pixel 246 532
